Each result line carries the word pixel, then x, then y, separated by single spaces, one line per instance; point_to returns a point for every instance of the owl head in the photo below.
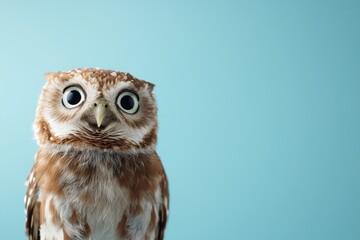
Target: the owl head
pixel 96 109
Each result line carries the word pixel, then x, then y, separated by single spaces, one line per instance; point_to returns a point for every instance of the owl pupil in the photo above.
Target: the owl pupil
pixel 127 102
pixel 73 97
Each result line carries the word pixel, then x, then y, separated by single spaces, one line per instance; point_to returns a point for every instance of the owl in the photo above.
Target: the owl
pixel 96 173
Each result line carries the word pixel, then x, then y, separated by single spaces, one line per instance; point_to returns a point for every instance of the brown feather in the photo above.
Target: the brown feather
pixel 161 224
pixel 163 210
pixel 32 207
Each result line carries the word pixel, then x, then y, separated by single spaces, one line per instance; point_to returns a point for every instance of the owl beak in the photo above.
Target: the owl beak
pixel 100 106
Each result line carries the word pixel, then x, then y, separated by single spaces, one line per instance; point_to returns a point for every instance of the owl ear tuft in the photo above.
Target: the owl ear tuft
pixel 150 86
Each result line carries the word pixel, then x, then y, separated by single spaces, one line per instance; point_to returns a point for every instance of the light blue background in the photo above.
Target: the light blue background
pixel 258 106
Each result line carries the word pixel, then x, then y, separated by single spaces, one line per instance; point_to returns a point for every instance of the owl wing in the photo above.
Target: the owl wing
pixel 162 223
pixel 32 208
pixel 163 211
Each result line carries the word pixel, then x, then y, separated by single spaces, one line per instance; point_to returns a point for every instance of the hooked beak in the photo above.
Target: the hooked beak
pixel 100 106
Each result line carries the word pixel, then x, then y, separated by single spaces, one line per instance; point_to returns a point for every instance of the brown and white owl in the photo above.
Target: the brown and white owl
pixel 96 174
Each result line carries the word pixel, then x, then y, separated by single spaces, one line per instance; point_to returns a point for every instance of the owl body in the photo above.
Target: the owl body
pixel 96 174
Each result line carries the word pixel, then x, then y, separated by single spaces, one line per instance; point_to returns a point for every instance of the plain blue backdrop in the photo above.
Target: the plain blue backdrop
pixel 258 106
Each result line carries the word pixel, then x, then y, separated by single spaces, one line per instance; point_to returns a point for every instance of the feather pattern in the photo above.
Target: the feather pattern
pixel 32 208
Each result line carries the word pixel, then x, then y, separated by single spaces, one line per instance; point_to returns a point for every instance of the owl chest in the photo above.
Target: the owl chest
pixel 97 207
pixel 102 204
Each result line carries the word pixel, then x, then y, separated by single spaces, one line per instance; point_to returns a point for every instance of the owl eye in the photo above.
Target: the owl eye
pixel 73 96
pixel 128 102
